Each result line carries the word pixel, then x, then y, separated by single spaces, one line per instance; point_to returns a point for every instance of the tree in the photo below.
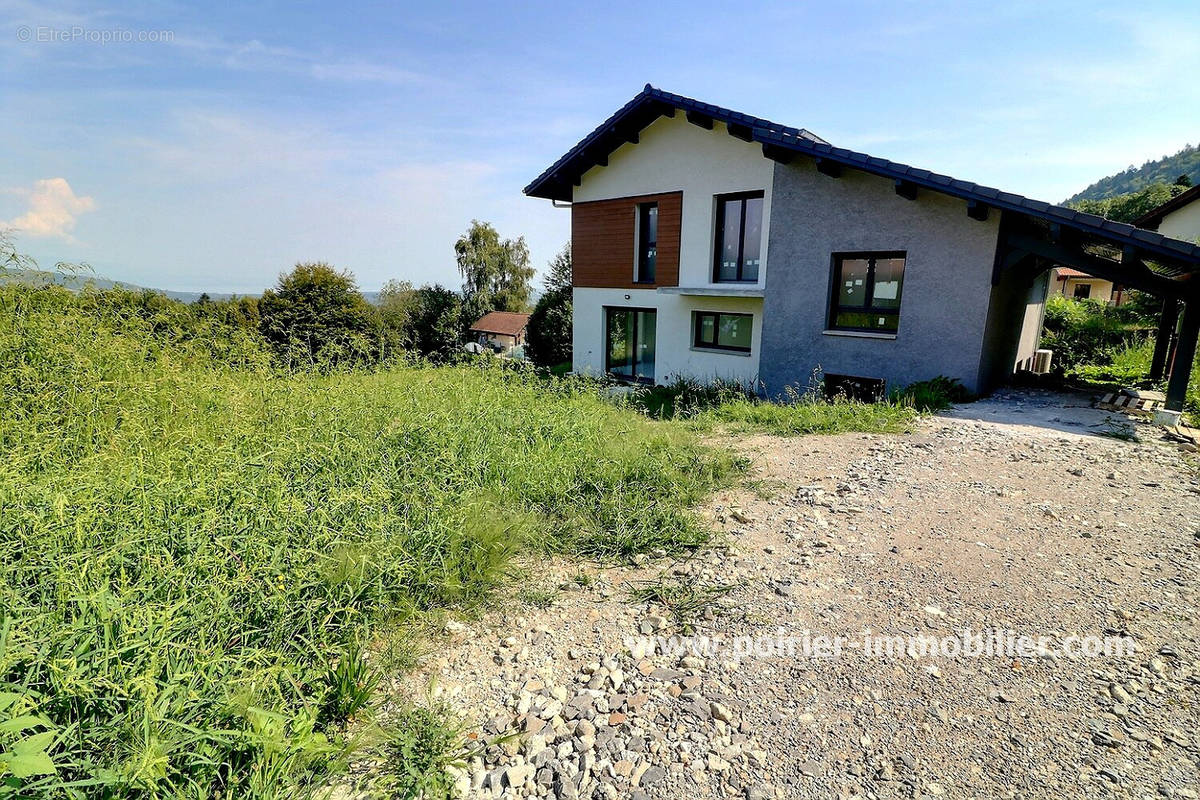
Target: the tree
pixel 1128 207
pixel 435 322
pixel 548 335
pixel 558 275
pixel 495 271
pixel 317 315
pixel 1184 181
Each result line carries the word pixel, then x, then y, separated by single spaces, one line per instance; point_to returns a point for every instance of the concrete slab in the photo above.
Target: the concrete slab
pixel 1048 413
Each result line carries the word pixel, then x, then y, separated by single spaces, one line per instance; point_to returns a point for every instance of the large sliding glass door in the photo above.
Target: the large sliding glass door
pixel 629 339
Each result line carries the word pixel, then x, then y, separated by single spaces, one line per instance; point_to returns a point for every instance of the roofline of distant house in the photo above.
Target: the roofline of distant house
pixel 1154 217
pixel 780 141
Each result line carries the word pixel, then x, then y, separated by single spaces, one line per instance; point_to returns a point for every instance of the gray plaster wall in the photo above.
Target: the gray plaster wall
pixel 945 297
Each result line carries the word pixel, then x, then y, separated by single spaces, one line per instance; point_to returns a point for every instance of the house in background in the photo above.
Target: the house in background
pixel 711 244
pixel 1081 286
pixel 1178 218
pixel 503 332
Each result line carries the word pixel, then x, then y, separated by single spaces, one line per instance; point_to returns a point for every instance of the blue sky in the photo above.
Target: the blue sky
pixel 369 135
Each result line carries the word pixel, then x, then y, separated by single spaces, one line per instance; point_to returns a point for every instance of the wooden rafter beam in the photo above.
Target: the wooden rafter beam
pixel 702 120
pixel 1136 275
pixel 826 167
pixel 906 189
pixel 977 210
pixel 739 131
pixel 779 154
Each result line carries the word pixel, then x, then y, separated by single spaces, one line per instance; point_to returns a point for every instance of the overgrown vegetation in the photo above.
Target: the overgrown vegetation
pixel 1104 346
pixel 198 547
pixel 738 408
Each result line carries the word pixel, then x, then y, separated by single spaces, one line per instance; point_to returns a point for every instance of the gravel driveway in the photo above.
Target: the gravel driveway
pixel 962 524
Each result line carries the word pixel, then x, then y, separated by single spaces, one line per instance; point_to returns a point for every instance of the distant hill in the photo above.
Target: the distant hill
pixel 1133 179
pixel 35 277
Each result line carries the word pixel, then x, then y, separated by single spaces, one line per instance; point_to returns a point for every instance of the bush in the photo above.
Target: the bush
pixel 1089 331
pixel 317 317
pixel 548 334
pixel 936 394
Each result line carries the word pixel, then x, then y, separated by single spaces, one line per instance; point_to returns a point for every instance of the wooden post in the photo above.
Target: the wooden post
pixel 1167 321
pixel 1185 354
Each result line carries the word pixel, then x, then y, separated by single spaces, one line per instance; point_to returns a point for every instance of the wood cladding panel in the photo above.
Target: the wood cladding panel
pixel 602 241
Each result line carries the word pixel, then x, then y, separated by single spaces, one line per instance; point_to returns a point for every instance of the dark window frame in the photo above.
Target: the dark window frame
pixel 719 239
pixel 643 252
pixel 633 330
pixel 1082 291
pixel 696 342
pixel 867 308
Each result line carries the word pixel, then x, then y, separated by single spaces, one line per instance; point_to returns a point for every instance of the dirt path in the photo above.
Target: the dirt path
pixel 961 524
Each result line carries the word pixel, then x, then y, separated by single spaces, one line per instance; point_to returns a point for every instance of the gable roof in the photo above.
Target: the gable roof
pixel 505 323
pixel 1152 218
pixel 781 142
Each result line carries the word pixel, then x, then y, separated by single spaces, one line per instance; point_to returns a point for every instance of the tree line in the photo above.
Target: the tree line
pixel 316 314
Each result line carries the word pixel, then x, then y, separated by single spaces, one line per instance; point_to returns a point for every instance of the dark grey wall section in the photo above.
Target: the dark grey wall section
pixel 947 280
pixel 1014 325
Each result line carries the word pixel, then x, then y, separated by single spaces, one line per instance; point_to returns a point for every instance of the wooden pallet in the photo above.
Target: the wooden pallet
pixel 1115 401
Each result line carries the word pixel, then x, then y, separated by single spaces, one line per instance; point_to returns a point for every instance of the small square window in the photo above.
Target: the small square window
pixel 719 331
pixel 866 291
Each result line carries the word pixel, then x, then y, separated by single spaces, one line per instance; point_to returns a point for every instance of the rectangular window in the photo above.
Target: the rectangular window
pixel 1083 291
pixel 739 237
pixel 866 291
pixel 647 242
pixel 630 343
pixel 723 331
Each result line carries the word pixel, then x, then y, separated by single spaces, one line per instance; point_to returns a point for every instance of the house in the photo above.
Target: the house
pixel 711 244
pixel 1178 218
pixel 502 331
pixel 1081 286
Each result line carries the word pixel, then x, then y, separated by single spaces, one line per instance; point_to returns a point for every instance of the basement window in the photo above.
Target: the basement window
pixel 866 291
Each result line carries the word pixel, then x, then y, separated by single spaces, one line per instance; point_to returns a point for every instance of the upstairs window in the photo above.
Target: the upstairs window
pixel 866 291
pixel 647 255
pixel 739 237
pixel 723 331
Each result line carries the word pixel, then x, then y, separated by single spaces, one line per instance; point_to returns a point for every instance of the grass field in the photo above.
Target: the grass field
pixel 195 550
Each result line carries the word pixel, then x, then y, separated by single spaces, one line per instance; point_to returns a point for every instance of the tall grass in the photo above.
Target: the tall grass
pixel 195 548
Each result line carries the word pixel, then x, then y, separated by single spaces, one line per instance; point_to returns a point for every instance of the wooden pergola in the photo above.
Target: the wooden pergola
pixel 1030 246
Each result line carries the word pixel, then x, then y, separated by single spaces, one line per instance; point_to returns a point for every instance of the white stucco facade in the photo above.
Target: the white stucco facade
pixel 673 155
pixel 675 356
pixel 1182 223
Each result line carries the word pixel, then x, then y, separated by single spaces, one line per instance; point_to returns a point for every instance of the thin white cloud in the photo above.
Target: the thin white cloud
pixel 254 55
pixel 53 208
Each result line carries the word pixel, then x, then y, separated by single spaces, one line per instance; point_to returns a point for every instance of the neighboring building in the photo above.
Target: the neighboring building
pixel 502 331
pixel 1081 286
pixel 710 244
pixel 1178 218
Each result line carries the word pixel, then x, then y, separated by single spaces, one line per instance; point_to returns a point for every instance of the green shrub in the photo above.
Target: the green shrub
pixel 936 394
pixel 1088 331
